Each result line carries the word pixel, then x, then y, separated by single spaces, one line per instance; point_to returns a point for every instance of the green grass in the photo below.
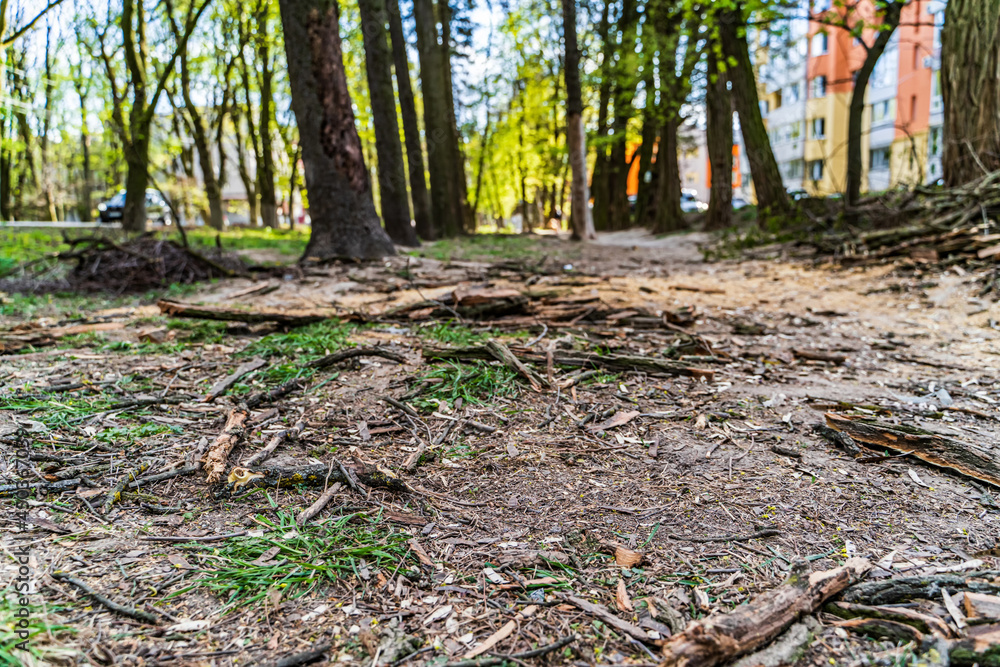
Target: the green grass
pixel 38 626
pixel 130 434
pixel 308 557
pixel 284 241
pixel 449 332
pixel 485 247
pixel 473 383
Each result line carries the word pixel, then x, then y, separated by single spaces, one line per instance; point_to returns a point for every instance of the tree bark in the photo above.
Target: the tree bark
pixel 970 85
pixel 667 214
pixel 391 172
pixel 85 207
pixel 770 189
pixel 599 185
pixel 719 137
pixel 199 133
pixel 344 221
pixel 265 161
pixel 48 187
pixel 855 168
pixel 444 193
pixel 581 221
pixel 244 171
pixel 419 196
pixel 457 158
pixel 619 215
pixel 650 124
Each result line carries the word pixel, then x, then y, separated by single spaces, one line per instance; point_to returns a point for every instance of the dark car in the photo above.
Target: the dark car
pixel 156 208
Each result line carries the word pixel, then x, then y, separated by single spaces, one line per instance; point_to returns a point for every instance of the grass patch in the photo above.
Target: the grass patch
pixel 308 557
pixel 38 627
pixel 473 383
pixel 451 333
pixel 483 247
pixel 284 241
pixel 130 434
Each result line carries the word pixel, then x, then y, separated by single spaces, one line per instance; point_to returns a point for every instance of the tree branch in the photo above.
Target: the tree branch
pixel 7 41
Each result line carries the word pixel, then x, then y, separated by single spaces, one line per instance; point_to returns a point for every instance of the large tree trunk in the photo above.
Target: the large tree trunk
pixel 85 206
pixel 457 158
pixel 599 185
pixel 411 128
pixel 344 221
pixel 855 168
pixel 47 167
pixel 391 172
pixel 667 214
pixel 770 189
pixel 619 215
pixel 970 85
pixel 265 163
pixel 576 139
pixel 445 204
pixel 136 182
pixel 719 137
pixel 650 124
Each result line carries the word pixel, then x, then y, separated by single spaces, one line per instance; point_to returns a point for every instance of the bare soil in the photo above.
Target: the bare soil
pixel 540 499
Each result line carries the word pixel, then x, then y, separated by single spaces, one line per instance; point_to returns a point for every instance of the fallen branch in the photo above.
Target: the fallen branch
pixel 721 638
pixel 318 506
pixel 506 631
pixel 765 532
pixel 223 385
pixel 514 657
pixel 925 623
pixel 272 395
pixel 288 318
pixel 343 355
pixel 233 432
pixel 115 493
pixel 633 631
pixel 279 437
pixel 902 589
pixel 966 459
pixel 113 606
pixel 302 658
pixel 503 354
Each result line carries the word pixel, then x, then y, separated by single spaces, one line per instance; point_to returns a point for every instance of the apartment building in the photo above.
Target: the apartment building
pixel 806 69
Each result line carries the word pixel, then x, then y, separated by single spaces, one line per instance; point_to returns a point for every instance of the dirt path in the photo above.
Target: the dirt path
pixel 530 505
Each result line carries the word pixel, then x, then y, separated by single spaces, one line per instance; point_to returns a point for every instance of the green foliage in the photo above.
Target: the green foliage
pixel 308 557
pixel 39 625
pixel 483 247
pixel 129 434
pixel 451 333
pixel 303 344
pixel 284 241
pixel 473 383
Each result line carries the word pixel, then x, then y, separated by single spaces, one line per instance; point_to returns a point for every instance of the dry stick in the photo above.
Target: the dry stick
pixel 280 437
pixel 414 458
pixel 506 631
pixel 182 538
pixel 302 658
pixel 272 395
pixel 766 532
pixel 633 631
pixel 317 506
pixel 513 657
pixel 342 355
pixel 152 479
pixel 503 354
pixel 225 383
pixel 399 405
pixel 216 459
pixel 113 606
pixel 115 494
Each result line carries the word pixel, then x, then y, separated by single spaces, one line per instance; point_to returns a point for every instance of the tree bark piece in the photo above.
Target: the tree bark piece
pixel 925 623
pixel 217 457
pixel 614 362
pixel 819 355
pixel 289 318
pixel 964 458
pixel 978 605
pixel 225 383
pixel 902 589
pixel 721 638
pixel 630 629
pixel 503 354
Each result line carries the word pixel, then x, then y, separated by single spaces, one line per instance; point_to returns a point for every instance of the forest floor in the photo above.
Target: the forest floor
pixel 518 497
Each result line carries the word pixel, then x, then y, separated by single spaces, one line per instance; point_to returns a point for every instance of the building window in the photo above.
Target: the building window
pixel 884 111
pixel 879 158
pixel 794 93
pixel 816 170
pixel 792 169
pixel 913 108
pixel 934 141
pixel 764 107
pixel 817 87
pixel 818 129
pixel 796 130
pixel 820 43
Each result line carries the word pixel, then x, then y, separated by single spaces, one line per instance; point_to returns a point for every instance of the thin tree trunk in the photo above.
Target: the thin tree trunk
pixel 48 168
pixel 445 204
pixel 199 133
pixel 85 207
pixel 770 189
pixel 619 216
pixel 970 85
pixel 719 137
pixel 581 221
pixel 599 184
pixel 293 177
pixel 484 149
pixel 457 160
pixel 391 171
pixel 265 161
pixel 650 124
pixel 244 171
pixel 344 221
pixel 890 19
pixel 667 214
pixel 419 195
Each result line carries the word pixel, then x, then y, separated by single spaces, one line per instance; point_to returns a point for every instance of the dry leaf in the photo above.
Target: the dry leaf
pixel 266 557
pixel 494 576
pixel 622 599
pixel 419 550
pixel 916 479
pixel 616 420
pixel 439 614
pixel 179 561
pixel 627 557
pixel 512 451
pixel 701 421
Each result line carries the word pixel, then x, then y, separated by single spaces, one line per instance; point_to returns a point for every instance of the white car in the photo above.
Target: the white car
pixel 690 203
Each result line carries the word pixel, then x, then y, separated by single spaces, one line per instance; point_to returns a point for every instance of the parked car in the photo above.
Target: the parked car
pixel 739 202
pixel 690 203
pixel 798 194
pixel 156 208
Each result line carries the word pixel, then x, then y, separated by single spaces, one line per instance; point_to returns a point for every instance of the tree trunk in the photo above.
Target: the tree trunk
pixel 391 172
pixel 457 158
pixel 890 19
pixel 581 221
pixel 619 214
pixel 667 214
pixel 411 128
pixel 243 168
pixel 650 124
pixel 770 189
pixel 599 185
pixel 444 193
pixel 719 137
pixel 265 163
pixel 970 60
pixel 48 186
pixel 199 133
pixel 136 182
pixel 344 221
pixel 293 178
pixel 85 206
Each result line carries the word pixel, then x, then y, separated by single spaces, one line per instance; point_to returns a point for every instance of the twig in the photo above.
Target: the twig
pixel 280 437
pixel 500 658
pixel 182 538
pixel 302 658
pixel 399 405
pixel 115 494
pixel 113 606
pixel 766 532
pixel 317 506
pixel 343 355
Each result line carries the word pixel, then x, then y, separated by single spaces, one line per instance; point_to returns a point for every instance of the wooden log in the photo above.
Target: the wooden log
pixel 880 628
pixel 612 362
pixel 503 354
pixel 902 589
pixel 967 459
pixel 925 623
pixel 720 638
pixel 289 318
pixel 979 605
pixel 217 457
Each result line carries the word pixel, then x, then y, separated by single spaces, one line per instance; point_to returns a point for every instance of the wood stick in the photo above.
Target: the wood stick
pixel 721 638
pixel 351 353
pixel 225 383
pixel 503 354
pixel 115 494
pixel 515 657
pixel 633 631
pixel 217 458
pixel 318 506
pixel 288 318
pixel 506 631
pixel 902 589
pixel 113 606
pixel 279 437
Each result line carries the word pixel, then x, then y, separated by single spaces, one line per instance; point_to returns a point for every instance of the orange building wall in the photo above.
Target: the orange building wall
pixel 737 176
pixel 916 42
